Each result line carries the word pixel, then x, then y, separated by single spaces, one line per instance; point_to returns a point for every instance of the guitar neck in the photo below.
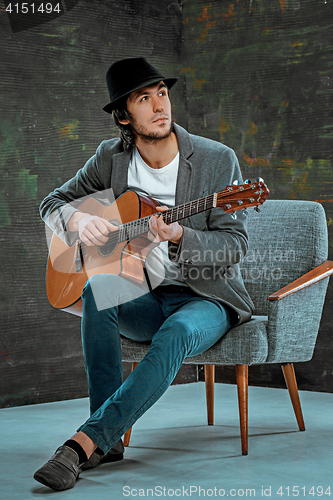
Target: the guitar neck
pixel 140 226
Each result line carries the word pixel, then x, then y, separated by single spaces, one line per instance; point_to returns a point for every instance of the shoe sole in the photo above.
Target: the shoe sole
pixel 40 478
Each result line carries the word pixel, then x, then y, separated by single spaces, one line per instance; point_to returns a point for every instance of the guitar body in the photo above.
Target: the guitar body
pixel 64 283
pixel 124 254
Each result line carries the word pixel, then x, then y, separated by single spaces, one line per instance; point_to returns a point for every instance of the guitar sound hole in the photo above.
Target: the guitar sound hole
pixel 109 247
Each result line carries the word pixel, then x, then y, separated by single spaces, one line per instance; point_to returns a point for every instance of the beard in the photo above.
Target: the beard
pixel 151 137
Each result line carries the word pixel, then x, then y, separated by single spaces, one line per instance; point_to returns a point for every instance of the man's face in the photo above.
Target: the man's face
pixel 150 110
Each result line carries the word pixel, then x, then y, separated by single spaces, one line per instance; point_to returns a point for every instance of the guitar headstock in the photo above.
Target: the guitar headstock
pixel 242 196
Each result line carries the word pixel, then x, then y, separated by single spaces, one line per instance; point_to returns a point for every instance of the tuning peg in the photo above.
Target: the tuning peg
pixel 260 179
pixel 257 209
pixel 247 181
pixel 245 212
pixel 234 216
pixel 235 183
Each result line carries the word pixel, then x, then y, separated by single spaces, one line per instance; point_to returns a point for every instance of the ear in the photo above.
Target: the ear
pixel 124 122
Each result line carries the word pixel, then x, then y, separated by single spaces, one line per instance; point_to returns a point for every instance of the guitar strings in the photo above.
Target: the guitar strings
pixel 135 228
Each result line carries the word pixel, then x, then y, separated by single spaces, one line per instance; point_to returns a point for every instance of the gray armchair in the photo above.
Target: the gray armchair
pixel 286 274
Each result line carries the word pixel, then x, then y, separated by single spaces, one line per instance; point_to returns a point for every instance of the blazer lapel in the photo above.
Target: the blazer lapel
pixel 119 173
pixel 184 179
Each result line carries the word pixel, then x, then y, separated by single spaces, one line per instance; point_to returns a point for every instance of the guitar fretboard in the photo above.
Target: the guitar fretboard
pixel 140 226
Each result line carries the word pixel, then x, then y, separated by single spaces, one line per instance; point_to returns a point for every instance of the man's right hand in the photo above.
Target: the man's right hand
pixel 92 230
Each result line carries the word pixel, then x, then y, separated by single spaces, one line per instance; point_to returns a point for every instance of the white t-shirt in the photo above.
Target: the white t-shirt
pixel 159 184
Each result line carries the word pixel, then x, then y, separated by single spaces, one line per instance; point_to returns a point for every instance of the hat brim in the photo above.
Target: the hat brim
pixel 169 82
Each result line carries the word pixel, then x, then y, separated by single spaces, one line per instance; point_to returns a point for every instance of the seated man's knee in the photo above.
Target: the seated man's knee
pixel 94 283
pixel 108 290
pixel 100 288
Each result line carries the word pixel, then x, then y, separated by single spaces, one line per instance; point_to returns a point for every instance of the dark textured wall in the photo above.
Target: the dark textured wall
pixel 259 78
pixel 256 75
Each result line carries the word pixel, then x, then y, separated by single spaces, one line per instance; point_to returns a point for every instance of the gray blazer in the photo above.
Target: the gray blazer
pixel 213 243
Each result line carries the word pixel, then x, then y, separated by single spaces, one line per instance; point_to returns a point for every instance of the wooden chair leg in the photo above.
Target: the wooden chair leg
pixel 127 435
pixel 242 387
pixel 209 381
pixel 289 376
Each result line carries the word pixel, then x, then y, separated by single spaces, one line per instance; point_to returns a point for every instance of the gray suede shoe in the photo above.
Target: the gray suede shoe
pixel 61 471
pixel 116 453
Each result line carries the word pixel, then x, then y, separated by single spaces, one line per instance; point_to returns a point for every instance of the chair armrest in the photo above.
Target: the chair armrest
pixel 293 324
pixel 317 274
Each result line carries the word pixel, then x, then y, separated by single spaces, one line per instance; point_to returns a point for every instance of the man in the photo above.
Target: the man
pixel 200 294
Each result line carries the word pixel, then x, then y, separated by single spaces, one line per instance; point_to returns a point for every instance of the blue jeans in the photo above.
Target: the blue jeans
pixel 179 325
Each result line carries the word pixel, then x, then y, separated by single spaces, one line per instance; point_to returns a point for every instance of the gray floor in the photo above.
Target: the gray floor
pixel 173 453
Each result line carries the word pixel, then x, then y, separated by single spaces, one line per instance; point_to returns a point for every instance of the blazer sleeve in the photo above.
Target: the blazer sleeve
pixel 224 241
pixel 59 206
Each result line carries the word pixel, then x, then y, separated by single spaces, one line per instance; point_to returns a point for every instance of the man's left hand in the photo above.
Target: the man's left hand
pixel 159 231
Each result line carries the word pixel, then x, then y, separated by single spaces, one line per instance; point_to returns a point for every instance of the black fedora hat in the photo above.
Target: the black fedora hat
pixel 128 75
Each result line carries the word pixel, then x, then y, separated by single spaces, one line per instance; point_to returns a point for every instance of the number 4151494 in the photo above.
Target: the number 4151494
pixel 33 8
pixel 296 491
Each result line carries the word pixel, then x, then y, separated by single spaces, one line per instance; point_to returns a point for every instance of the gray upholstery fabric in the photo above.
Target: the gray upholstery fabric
pixel 247 345
pixel 133 351
pixel 294 323
pixel 286 240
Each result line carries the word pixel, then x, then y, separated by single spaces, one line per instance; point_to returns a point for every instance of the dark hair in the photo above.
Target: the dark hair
pixel 126 131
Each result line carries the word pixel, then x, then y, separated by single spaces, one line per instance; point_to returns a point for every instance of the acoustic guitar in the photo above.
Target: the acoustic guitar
pixel 124 254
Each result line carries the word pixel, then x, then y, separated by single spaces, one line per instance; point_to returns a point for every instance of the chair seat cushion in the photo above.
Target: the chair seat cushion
pixel 245 344
pixel 133 351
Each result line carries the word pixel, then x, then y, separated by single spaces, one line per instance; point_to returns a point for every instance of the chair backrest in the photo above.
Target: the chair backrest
pixel 286 240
